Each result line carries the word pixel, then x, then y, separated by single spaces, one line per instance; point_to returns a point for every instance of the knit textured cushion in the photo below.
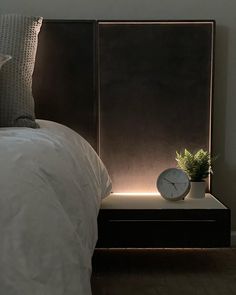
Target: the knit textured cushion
pixel 4 58
pixel 19 38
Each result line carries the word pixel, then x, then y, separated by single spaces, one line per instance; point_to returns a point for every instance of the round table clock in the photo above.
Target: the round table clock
pixel 173 184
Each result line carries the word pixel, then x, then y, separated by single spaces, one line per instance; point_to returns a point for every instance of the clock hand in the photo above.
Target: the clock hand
pixel 171 183
pixel 174 186
pixel 168 180
pixel 174 182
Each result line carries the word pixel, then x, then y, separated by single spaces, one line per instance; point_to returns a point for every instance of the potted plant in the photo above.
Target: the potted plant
pixel 198 167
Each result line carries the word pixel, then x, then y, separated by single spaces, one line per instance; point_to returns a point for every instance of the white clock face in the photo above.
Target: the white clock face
pixel 173 184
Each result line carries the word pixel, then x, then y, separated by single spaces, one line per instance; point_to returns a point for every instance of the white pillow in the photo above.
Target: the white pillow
pixel 19 38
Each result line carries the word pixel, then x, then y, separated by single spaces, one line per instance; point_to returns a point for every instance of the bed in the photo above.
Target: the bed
pixel 52 180
pixel 51 188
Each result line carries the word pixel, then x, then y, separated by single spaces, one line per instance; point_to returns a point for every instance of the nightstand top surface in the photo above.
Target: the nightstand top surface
pixel 155 201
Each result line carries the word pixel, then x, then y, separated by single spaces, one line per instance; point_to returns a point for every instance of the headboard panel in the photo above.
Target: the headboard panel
pixel 155 96
pixel 64 81
pixel 137 91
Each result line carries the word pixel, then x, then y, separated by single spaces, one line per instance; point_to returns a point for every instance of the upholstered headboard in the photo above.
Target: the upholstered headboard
pixel 64 81
pixel 137 91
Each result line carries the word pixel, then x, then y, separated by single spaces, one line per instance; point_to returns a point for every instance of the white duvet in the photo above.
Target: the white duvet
pixel 51 186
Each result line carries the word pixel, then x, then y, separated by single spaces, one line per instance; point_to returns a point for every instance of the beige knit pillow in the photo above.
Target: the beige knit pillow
pixel 18 37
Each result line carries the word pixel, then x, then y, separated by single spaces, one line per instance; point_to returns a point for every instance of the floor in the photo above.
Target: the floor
pixel 164 272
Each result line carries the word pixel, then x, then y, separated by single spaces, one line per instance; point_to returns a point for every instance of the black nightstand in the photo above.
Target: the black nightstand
pixel 135 221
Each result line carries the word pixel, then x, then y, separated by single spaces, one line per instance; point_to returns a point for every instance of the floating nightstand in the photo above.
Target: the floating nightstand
pixel 149 221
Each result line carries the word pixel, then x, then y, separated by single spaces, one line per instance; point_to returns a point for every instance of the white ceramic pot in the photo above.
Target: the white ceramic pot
pixel 197 190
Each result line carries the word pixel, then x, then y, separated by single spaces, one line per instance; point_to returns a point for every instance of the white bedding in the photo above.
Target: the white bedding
pixel 51 186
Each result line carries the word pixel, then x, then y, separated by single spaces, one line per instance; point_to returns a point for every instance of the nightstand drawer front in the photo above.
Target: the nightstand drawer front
pixel 146 228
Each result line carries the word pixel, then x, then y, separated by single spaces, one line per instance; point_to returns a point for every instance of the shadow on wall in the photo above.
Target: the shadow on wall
pixel 224 175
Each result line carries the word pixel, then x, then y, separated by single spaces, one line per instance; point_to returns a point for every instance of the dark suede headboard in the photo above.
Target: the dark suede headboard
pixel 137 91
pixel 64 81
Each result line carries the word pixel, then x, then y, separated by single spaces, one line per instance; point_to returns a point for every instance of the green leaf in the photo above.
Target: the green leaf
pixel 196 165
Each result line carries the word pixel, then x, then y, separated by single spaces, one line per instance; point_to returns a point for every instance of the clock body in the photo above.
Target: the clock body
pixel 173 184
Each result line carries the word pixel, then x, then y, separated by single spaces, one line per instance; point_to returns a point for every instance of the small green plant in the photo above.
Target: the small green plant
pixel 197 166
